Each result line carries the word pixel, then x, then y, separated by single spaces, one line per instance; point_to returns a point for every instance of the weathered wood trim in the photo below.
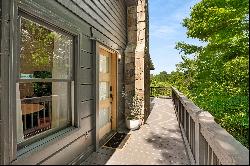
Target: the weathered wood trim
pixel 96 91
pixel 5 97
pixel 12 78
pixel 76 65
pixel 114 80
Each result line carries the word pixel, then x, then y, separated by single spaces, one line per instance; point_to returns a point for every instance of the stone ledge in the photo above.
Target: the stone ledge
pixel 228 150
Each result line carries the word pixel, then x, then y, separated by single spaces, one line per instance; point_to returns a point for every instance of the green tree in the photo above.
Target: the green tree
pixel 152 67
pixel 217 77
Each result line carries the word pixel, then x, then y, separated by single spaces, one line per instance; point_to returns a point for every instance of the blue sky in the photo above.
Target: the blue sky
pixel 165 30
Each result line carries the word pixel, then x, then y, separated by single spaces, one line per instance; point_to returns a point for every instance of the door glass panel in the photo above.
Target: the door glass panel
pixel 104 64
pixel 104 90
pixel 104 116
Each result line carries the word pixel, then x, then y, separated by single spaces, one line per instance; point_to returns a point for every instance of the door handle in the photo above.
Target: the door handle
pixel 111 96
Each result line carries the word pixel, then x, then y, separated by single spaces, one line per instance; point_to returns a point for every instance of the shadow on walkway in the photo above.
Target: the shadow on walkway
pixel 171 148
pixel 158 142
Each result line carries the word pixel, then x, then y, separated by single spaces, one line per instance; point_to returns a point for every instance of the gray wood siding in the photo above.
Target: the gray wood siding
pixel 91 20
pixel 38 153
pixel 4 50
pixel 108 17
pixel 72 151
pixel 0 82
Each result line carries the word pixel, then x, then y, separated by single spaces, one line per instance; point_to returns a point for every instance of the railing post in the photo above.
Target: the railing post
pixel 184 119
pixel 179 110
pixel 189 129
pixel 172 93
pixel 182 114
pixel 197 140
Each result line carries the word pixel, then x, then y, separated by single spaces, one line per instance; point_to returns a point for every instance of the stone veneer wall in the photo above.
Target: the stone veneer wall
pixel 147 66
pixel 137 69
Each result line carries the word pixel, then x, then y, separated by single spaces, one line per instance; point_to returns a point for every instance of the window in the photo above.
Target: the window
pixel 45 81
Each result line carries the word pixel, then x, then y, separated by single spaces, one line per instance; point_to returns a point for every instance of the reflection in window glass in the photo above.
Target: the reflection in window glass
pixel 44 88
pixel 43 106
pixel 44 53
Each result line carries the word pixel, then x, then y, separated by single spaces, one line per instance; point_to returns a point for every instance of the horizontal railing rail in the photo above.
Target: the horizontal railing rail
pixel 160 91
pixel 206 141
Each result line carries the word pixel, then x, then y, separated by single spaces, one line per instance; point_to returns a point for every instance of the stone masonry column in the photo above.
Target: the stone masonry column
pixel 136 54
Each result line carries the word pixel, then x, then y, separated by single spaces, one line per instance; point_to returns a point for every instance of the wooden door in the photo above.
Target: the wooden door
pixel 107 89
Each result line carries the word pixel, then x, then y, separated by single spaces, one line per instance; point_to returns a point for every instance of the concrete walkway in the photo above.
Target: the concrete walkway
pixel 158 142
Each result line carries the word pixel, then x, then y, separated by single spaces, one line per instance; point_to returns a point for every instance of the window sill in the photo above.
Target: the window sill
pixel 65 136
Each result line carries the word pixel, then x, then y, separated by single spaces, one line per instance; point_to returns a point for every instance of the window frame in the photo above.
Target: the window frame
pixel 71 80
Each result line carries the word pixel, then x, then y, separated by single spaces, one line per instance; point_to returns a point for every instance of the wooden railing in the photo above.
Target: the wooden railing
pixel 160 91
pixel 206 141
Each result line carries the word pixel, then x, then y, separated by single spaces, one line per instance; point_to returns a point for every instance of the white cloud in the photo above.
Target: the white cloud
pixel 165 30
pixel 162 31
